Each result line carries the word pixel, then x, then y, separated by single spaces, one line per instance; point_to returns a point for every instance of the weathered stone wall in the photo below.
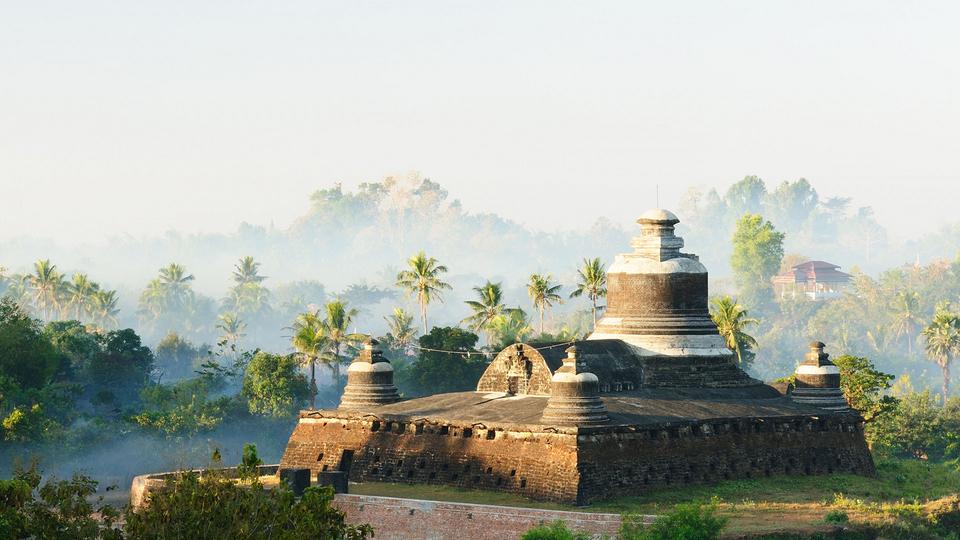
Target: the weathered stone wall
pixel 656 295
pixel 579 468
pixel 526 360
pixel 694 371
pixel 674 455
pixel 537 465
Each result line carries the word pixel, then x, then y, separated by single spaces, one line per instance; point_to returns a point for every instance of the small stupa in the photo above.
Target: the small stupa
pixel 369 380
pixel 817 381
pixel 574 395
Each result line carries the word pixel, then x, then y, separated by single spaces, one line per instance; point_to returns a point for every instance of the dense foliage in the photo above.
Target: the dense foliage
pixel 452 363
pixel 216 507
pixel 688 521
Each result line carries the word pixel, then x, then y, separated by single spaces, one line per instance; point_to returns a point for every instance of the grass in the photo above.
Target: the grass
pixel 899 494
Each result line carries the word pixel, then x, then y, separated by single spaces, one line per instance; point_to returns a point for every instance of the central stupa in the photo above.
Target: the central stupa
pixel 657 304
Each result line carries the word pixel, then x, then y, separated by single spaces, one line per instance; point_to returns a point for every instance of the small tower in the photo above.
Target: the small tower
pixel 818 381
pixel 369 380
pixel 574 398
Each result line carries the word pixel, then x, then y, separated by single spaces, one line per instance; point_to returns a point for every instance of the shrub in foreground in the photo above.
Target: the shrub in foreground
pixel 690 521
pixel 557 530
pixel 213 507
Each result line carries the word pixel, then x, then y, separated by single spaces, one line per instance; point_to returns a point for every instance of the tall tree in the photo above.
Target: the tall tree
pixel 757 252
pixel 310 340
pixel 732 320
pixel 247 270
pixel 248 295
pixel 48 285
pixel 423 279
pixel 511 326
pixel 232 329
pixel 336 324
pixel 400 330
pixel 80 292
pixel 942 337
pixel 592 281
pixel 906 316
pixel 543 293
pixel 176 284
pixel 103 306
pixel 488 306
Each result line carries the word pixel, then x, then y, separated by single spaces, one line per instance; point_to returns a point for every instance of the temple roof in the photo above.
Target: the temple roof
pixel 818 271
pixel 645 407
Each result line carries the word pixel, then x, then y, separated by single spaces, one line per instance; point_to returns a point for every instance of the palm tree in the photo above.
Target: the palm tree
pixel 103 308
pixel 79 296
pixel 310 341
pixel 543 293
pixel 732 319
pixel 510 326
pixel 592 282
pixel 247 271
pixel 489 306
pixel 400 330
pixel 906 316
pixel 423 279
pixel 153 300
pixel 942 337
pixel 335 325
pixel 48 285
pixel 232 328
pixel 176 284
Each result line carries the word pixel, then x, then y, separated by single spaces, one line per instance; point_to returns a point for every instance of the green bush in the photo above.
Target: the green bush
pixel 214 507
pixel 837 517
pixel 58 509
pixel 689 521
pixel 553 531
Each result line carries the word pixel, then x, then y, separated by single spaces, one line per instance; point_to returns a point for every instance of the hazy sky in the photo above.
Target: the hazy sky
pixel 138 117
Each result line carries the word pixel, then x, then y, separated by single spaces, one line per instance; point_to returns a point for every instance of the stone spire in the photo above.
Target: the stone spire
pixel 657 295
pixel 369 380
pixel 817 381
pixel 574 398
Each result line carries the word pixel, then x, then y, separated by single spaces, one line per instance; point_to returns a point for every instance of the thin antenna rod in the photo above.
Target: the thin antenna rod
pixel 658 195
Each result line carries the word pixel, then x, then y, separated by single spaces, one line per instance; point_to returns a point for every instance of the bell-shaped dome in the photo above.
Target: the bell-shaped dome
pixel 369 380
pixel 574 396
pixel 817 381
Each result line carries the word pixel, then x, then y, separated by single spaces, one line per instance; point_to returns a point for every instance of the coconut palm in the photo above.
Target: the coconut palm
pixel 336 323
pixel 153 300
pixel 510 326
pixel 400 329
pixel 906 317
pixel 247 271
pixel 176 284
pixel 489 306
pixel 423 279
pixel 103 308
pixel 592 282
pixel 310 340
pixel 732 319
pixel 48 285
pixel 942 337
pixel 232 329
pixel 79 294
pixel 543 293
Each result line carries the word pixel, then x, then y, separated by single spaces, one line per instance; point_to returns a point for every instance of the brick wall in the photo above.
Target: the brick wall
pixel 409 519
pixel 537 465
pixel 630 462
pixel 578 468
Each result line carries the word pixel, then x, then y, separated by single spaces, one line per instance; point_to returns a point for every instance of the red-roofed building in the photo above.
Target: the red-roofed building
pixel 817 280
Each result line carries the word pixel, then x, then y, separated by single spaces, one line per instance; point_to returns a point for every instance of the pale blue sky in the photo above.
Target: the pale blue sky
pixel 138 117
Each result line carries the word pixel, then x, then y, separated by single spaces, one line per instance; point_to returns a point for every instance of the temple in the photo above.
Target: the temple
pixel 652 398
